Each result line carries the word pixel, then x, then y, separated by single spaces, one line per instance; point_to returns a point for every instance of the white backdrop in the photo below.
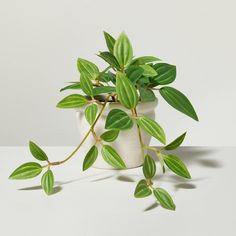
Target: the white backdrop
pixel 41 40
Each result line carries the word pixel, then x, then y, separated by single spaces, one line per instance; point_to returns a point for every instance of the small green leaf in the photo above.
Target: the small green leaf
pixel 152 128
pixel 126 91
pixel 144 60
pixel 103 89
pixel 110 135
pixel 118 119
pixel 88 69
pixel 179 101
pixel 90 157
pixel 110 59
pixel 176 143
pixel 110 41
pixel 134 73
pixel 86 85
pixel 26 171
pixel 37 152
pixel 164 198
pixel 146 94
pixel 142 189
pixel 148 71
pixel 47 182
pixel 123 50
pixel 71 86
pixel 90 113
pixel 72 101
pixel 166 74
pixel 177 166
pixel 111 156
pixel 149 167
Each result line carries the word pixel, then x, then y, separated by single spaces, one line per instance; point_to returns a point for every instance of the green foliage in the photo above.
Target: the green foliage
pixel 110 59
pixel 143 60
pixel 26 171
pixel 90 157
pixel 118 119
pixel 142 190
pixel 148 71
pixel 90 113
pixel 164 198
pixel 110 135
pixel 72 101
pixel 103 89
pixel 110 41
pixel 47 182
pixel 37 152
pixel 149 167
pixel 86 85
pixel 87 69
pixel 176 143
pixel 71 86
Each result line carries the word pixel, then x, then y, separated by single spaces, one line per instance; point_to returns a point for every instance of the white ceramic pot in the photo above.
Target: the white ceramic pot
pixel 127 144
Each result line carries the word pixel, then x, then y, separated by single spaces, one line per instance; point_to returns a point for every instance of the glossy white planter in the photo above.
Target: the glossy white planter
pixel 127 144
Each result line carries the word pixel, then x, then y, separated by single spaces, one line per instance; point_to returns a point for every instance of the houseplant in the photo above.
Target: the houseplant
pixel 128 83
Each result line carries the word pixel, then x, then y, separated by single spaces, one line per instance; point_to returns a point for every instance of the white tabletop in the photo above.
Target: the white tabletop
pixel 100 202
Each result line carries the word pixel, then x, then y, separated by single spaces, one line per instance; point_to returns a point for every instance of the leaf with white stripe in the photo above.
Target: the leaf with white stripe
pixel 110 135
pixel 90 157
pixel 37 152
pixel 88 69
pixel 72 101
pixel 142 189
pixel 90 113
pixel 110 41
pixel 47 182
pixel 149 167
pixel 176 143
pixel 164 198
pixel 143 60
pixel 148 71
pixel 86 85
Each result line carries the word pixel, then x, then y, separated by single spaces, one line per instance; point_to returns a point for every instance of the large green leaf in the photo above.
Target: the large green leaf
pixel 71 86
pixel 166 74
pixel 179 101
pixel 37 152
pixel 143 60
pixel 86 85
pixel 110 59
pixel 176 143
pixel 149 167
pixel 47 182
pixel 123 50
pixel 26 171
pixel 111 156
pixel 134 73
pixel 89 69
pixel 110 135
pixel 177 166
pixel 72 101
pixel 110 41
pixel 90 157
pixel 146 94
pixel 118 119
pixel 103 89
pixel 90 113
pixel 142 189
pixel 148 71
pixel 152 128
pixel 164 198
pixel 126 91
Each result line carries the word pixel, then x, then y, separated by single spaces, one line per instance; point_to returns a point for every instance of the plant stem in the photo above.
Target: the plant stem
pixel 85 137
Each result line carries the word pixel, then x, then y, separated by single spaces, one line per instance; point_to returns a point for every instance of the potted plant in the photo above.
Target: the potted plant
pixel 115 110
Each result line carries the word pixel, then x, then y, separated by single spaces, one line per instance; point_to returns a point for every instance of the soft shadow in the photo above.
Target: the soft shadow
pixel 125 178
pixel 56 190
pixel 103 178
pixel 210 163
pixel 38 187
pixel 185 186
pixel 151 207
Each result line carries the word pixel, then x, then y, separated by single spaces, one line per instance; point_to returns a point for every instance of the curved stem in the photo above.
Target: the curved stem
pixel 85 137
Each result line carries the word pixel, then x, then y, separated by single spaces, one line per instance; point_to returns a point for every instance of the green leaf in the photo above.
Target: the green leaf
pixel 142 189
pixel 179 101
pixel 71 86
pixel 110 135
pixel 164 198
pixel 118 119
pixel 47 182
pixel 72 101
pixel 90 113
pixel 126 91
pixel 37 152
pixel 146 94
pixel 144 60
pixel 176 143
pixel 110 59
pixel 152 128
pixel 88 69
pixel 26 171
pixel 103 89
pixel 110 41
pixel 90 157
pixel 134 73
pixel 149 167
pixel 123 50
pixel 177 166
pixel 148 71
pixel 111 156
pixel 166 74
pixel 86 85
